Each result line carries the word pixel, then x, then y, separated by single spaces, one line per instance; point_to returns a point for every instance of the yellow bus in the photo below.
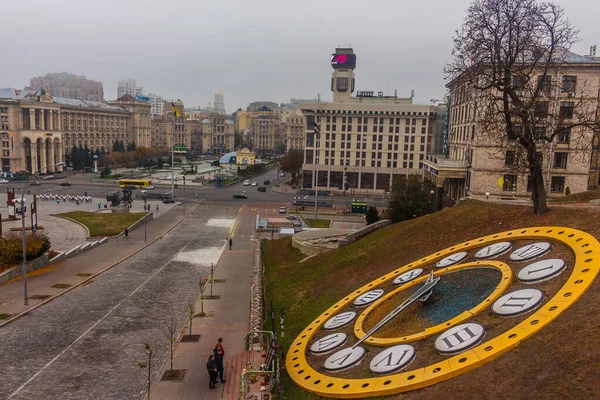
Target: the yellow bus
pixel 136 183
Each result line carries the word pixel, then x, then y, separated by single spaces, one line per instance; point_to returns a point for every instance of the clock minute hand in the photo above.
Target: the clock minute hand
pixel 429 284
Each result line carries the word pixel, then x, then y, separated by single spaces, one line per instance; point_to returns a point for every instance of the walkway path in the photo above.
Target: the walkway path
pixel 86 343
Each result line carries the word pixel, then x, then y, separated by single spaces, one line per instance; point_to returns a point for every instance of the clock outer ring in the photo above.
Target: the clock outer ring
pixel 587 265
pixel 504 283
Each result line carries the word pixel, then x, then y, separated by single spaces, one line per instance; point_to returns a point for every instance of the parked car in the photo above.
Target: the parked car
pixel 253 184
pixel 262 189
pixel 267 182
pixel 3 181
pixel 65 184
pixel 149 187
pixel 292 217
pixel 47 178
pixel 240 196
pixel 282 174
pixel 167 200
pixel 282 210
pixel 247 182
pixel 34 183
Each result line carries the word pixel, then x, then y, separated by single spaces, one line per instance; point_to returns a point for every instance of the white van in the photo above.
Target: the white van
pixel 247 182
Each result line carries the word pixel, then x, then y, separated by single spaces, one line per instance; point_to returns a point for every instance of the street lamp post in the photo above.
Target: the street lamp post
pixel 183 201
pixel 145 196
pixel 23 239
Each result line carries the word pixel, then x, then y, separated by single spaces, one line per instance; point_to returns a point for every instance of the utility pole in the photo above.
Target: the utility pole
pixel 317 130
pixel 183 201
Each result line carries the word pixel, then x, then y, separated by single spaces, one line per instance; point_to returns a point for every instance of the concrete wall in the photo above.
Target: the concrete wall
pixel 17 271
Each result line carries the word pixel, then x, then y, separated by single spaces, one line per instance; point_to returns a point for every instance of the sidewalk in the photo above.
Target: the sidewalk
pixel 85 264
pixel 229 320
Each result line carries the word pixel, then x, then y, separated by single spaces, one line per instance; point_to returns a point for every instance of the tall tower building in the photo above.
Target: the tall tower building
pixel 343 62
pixel 219 105
pixel 128 87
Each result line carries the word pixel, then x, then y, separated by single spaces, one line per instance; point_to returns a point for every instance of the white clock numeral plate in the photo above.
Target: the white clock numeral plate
pixel 392 359
pixel 408 276
pixel 542 270
pixel 530 251
pixel 344 358
pixel 517 302
pixel 493 250
pixel 337 321
pixel 368 297
pixel 328 343
pixel 452 259
pixel 459 338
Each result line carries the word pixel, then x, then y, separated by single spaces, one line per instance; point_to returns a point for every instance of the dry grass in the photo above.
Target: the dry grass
pixel 104 224
pixel 571 343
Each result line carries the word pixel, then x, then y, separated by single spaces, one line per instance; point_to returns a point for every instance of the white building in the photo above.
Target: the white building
pixel 219 106
pixel 129 87
pixel 157 103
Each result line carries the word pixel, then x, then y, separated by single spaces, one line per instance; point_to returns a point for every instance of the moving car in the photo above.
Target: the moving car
pixel 150 187
pixel 167 200
pixel 5 181
pixel 253 184
pixel 246 182
pixel 34 183
pixel 267 182
pixel 282 210
pixel 65 184
pixel 240 196
pixel 282 174
pixel 262 189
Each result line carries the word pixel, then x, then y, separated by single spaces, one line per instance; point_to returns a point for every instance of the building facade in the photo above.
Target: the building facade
pixel 267 132
pixel 218 134
pixel 129 87
pixel 295 127
pixel 156 104
pixel 477 166
pixel 364 141
pixel 38 131
pixel 69 85
pixel 139 124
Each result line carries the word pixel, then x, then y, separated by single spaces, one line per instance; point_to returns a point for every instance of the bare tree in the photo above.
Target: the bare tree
pixel 192 311
pixel 507 59
pixel 148 365
pixel 171 334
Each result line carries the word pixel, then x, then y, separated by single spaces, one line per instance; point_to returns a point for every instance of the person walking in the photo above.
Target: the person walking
pixel 157 208
pixel 219 362
pixel 230 243
pixel 126 232
pixel 211 366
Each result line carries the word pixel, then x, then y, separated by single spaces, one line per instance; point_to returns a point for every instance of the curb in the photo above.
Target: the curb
pixel 72 220
pixel 14 318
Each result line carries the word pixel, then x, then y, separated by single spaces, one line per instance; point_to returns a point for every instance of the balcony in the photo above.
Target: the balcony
pixel 440 166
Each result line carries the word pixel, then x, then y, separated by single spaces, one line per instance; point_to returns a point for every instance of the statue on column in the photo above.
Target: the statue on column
pixel 120 203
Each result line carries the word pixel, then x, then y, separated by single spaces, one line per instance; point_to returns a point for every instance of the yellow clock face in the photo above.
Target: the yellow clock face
pixel 445 314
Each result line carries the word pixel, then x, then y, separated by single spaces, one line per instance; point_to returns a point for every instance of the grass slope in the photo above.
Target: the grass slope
pixel 104 224
pixel 320 223
pixel 559 362
pixel 583 197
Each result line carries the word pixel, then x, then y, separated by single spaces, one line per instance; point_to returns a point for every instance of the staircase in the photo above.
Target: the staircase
pixel 233 373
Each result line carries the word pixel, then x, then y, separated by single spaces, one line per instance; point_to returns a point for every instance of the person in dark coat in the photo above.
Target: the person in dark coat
pixel 211 366
pixel 219 361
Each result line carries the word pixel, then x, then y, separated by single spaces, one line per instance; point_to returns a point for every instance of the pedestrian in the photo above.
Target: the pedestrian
pixel 230 243
pixel 219 345
pixel 211 366
pixel 126 232
pixel 219 362
pixel 148 207
pixel 157 208
pixel 99 206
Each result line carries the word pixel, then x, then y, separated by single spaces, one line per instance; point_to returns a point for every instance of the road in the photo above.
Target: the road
pixel 87 343
pixel 81 184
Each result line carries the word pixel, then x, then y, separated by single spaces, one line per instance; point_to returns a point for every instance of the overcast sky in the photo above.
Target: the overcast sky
pixel 251 50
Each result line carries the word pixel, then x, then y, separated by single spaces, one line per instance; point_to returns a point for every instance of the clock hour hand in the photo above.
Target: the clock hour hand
pixel 423 292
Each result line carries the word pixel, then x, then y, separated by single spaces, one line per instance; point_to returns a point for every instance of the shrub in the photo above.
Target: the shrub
pixel 11 249
pixel 105 171
pixel 567 191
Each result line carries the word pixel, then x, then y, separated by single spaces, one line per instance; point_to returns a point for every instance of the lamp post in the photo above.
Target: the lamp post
pixel 183 201
pixel 145 196
pixel 317 131
pixel 23 239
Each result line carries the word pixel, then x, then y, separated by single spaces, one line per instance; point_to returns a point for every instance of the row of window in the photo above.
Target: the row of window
pixel 557 184
pixel 3 110
pixel 560 159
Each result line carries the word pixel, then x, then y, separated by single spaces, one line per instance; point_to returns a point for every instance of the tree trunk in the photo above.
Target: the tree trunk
pixel 537 186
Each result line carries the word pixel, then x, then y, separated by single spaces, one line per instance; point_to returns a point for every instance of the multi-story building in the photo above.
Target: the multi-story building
pixel 257 105
pixel 129 87
pixel 268 132
pixel 295 126
pixel 476 165
pixel 365 141
pixel 219 105
pixel 38 131
pixel 69 85
pixel 139 125
pixel 218 134
pixel 156 104
pixel 168 130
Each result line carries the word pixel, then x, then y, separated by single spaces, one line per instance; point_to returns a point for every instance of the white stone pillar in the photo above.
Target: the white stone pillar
pixel 32 118
pixel 51 161
pixel 59 117
pixel 42 156
pixel 43 119
pixel 51 120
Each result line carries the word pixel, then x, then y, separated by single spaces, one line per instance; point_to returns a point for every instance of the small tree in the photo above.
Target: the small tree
pixel 409 198
pixel 105 171
pixel 372 215
pixel 192 311
pixel 171 333
pixel 292 163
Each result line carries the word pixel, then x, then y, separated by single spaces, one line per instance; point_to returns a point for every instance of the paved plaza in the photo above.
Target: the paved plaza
pixel 86 343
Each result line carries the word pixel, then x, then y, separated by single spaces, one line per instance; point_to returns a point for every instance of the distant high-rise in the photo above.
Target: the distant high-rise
pixel 72 86
pixel 219 106
pixel 129 87
pixel 157 104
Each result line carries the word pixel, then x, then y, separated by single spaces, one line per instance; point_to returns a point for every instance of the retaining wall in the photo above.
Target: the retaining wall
pixel 364 231
pixel 17 271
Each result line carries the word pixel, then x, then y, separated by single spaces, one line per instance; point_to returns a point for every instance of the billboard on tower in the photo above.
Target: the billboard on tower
pixel 343 60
